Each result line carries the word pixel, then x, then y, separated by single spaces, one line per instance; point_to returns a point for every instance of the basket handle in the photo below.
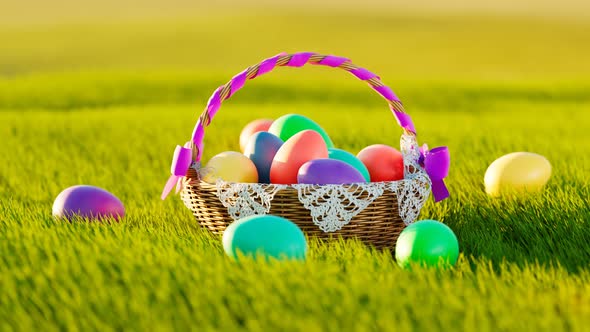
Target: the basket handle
pixel 295 60
pixel 183 155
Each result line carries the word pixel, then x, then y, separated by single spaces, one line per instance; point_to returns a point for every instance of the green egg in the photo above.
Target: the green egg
pixel 290 124
pixel 427 243
pixel 267 236
pixel 350 159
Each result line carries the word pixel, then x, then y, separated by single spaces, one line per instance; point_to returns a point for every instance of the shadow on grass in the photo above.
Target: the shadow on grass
pixel 550 229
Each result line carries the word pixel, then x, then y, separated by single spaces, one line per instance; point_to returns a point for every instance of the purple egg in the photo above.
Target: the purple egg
pixel 87 202
pixel 328 171
pixel 261 149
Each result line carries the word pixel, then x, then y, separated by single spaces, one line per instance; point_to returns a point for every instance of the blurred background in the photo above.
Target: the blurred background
pixel 456 55
pixel 428 39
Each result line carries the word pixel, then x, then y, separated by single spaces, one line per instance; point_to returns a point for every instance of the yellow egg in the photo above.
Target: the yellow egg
pixel 230 166
pixel 517 172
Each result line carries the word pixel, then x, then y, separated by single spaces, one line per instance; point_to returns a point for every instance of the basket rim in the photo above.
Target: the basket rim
pixel 418 176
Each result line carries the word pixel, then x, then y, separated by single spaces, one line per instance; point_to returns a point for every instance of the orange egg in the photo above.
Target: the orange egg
pixel 296 151
pixel 384 162
pixel 251 129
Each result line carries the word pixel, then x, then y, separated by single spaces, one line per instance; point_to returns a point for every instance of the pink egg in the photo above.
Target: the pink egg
pixel 87 202
pixel 296 151
pixel 252 128
pixel 328 171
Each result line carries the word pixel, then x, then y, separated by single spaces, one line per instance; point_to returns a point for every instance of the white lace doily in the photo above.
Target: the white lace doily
pixel 333 206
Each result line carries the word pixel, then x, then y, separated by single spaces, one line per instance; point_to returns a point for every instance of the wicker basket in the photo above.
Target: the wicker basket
pixel 378 223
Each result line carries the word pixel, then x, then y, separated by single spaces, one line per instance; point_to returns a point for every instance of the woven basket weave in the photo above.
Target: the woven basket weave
pixel 378 224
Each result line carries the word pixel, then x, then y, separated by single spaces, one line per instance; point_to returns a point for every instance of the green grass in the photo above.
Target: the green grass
pixel 108 109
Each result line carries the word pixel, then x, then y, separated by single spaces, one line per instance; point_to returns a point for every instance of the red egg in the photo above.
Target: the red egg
pixel 252 128
pixel 384 162
pixel 87 202
pixel 296 151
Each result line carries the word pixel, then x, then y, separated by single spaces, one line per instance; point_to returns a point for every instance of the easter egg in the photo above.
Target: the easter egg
pixel 290 124
pixel 251 128
pixel 383 162
pixel 328 171
pixel 265 235
pixel 261 149
pixel 87 201
pixel 351 159
pixel 427 243
pixel 517 172
pixel 230 166
pixel 296 151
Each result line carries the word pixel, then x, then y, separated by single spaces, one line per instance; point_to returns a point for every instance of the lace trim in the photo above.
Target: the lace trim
pixel 333 206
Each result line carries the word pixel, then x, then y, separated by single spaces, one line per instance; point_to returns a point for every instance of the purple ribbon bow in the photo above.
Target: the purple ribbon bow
pixel 181 162
pixel 436 162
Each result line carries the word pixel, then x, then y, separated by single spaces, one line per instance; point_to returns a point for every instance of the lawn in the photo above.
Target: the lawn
pixel 105 103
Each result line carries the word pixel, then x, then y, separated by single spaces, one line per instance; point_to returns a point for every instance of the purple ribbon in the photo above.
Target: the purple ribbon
pixel 181 162
pixel 404 120
pixel 436 162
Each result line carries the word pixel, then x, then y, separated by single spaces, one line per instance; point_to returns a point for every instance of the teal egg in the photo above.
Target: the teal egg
pixel 267 236
pixel 352 160
pixel 427 243
pixel 290 124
